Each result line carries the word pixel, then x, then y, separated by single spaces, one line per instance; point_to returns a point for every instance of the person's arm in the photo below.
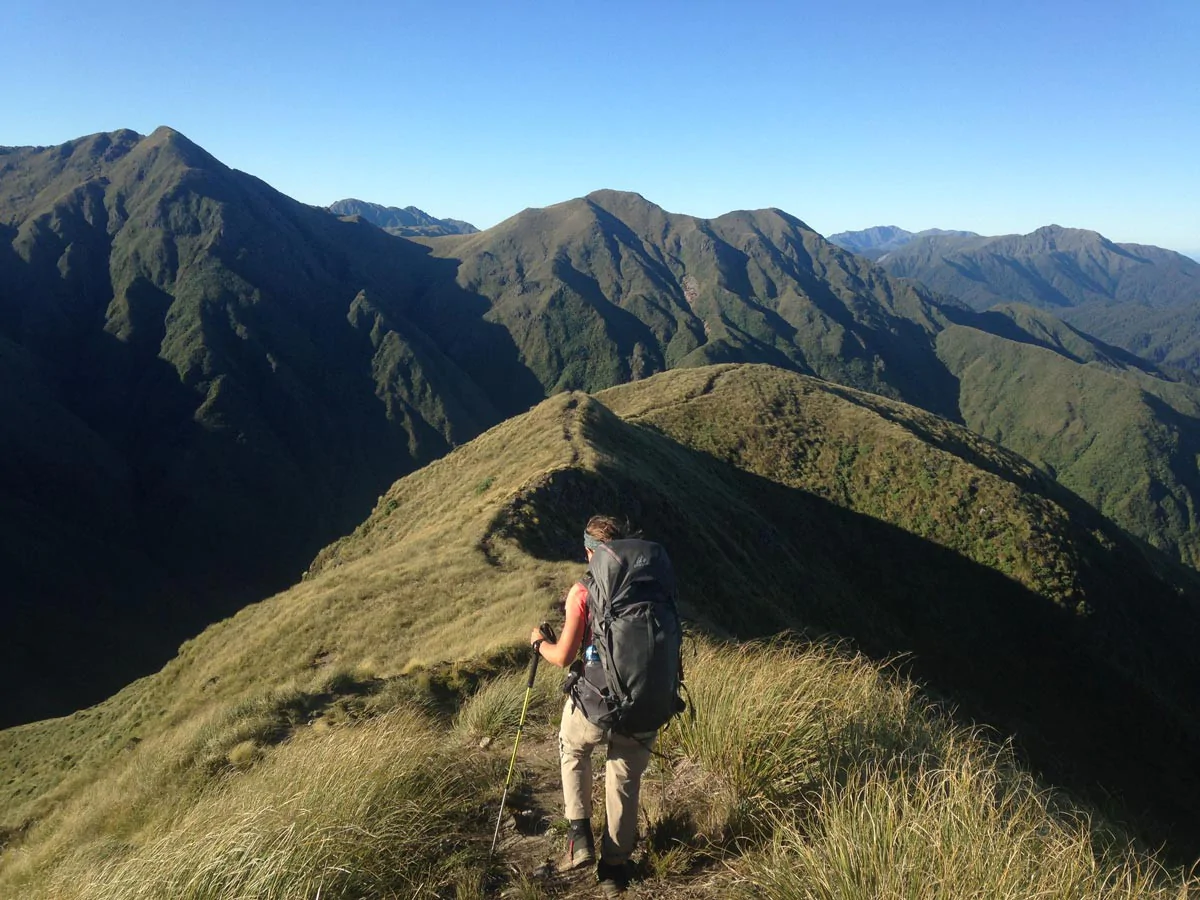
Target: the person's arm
pixel 564 651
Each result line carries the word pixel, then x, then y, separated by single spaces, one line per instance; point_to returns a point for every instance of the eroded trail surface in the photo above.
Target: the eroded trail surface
pixel 668 863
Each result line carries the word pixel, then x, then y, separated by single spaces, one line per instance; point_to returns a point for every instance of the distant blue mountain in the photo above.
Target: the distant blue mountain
pixel 875 242
pixel 406 222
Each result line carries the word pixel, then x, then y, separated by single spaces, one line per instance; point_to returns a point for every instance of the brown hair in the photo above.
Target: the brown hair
pixel 605 528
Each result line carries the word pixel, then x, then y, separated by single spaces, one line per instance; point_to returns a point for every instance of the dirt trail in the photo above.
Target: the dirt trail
pixel 533 831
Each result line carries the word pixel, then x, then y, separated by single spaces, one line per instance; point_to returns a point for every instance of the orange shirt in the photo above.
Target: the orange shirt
pixel 577 603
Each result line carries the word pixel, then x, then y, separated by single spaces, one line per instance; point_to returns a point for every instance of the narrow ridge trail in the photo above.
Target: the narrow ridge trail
pixel 533 830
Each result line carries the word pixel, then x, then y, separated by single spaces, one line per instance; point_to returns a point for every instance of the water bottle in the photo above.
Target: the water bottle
pixel 593 671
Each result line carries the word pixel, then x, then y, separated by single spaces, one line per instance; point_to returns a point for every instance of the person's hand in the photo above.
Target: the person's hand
pixel 536 636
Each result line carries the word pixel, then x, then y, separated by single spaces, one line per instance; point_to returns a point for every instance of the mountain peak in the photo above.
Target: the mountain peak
pixel 1056 230
pixel 166 136
pixel 611 194
pixel 872 242
pixel 179 147
pixel 165 133
pixel 618 202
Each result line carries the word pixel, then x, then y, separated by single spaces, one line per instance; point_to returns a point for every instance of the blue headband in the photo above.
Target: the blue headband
pixel 591 543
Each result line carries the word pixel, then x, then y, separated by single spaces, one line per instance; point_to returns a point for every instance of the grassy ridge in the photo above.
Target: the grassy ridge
pixel 611 288
pixel 1087 589
pixel 835 523
pixel 371 614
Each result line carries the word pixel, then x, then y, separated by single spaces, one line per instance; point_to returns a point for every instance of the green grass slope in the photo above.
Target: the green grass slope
pixel 1123 438
pixel 248 373
pixel 787 503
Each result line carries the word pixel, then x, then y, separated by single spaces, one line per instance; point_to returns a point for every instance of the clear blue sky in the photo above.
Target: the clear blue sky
pixel 993 117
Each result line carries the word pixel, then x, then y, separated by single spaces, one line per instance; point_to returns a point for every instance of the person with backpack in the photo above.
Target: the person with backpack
pixel 622 688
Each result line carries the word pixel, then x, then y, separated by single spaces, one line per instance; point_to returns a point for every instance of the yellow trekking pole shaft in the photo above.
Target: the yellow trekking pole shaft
pixel 548 633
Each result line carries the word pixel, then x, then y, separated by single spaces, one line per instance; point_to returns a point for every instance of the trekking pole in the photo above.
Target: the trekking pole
pixel 547 634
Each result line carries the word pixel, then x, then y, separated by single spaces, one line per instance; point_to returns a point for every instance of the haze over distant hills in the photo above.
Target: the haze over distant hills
pixel 875 242
pixel 1141 298
pixel 1053 267
pixel 205 381
pixel 405 222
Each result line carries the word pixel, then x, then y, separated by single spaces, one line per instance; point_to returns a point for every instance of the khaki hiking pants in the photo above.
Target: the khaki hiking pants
pixel 628 757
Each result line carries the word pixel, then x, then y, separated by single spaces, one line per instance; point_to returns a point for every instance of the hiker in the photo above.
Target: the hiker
pixel 637 575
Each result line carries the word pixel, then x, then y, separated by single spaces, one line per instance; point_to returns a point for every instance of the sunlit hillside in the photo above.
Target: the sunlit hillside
pixel 328 739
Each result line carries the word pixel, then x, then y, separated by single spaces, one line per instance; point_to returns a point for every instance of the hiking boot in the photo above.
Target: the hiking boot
pixel 581 847
pixel 613 877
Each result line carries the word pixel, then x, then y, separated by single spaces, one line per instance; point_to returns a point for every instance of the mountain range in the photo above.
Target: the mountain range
pixel 206 381
pixel 271 473
pixel 611 288
pixel 1141 298
pixel 404 222
pixel 876 241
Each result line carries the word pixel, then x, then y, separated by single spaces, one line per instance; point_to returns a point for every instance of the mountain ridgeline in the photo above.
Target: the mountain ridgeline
pixel 1141 298
pixel 611 288
pixel 874 242
pixel 206 381
pixel 403 222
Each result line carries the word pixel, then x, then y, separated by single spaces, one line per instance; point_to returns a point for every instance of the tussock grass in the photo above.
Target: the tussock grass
pixel 246 742
pixel 774 720
pixel 494 710
pixel 381 809
pixel 971 827
pixel 826 777
pixel 809 771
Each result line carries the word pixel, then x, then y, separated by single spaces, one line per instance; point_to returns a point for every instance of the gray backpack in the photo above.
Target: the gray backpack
pixel 633 687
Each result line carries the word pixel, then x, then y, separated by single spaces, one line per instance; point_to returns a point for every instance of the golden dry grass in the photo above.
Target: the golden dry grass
pixel 382 809
pixel 968 825
pixel 828 778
